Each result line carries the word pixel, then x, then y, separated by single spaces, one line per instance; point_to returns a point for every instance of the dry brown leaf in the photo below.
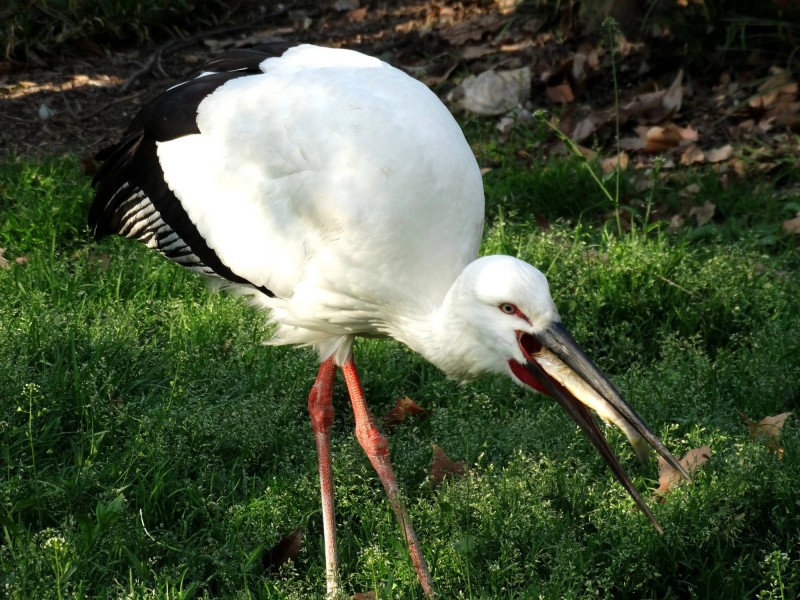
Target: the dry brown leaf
pixel 584 128
pixel 769 430
pixel 404 407
pixel 582 64
pixel 610 164
pixel 358 14
pixel 216 45
pixel 656 107
pixel 474 52
pixel 284 551
pixel 474 29
pixel 632 144
pixel 778 88
pixel 586 59
pixel 792 225
pixel 692 155
pixel 591 123
pixel 506 7
pixel 668 477
pixel 4 264
pixel 675 223
pixel 659 138
pixel 560 94
pixel 719 154
pixel 690 190
pixel 703 214
pixel 784 113
pixel 442 466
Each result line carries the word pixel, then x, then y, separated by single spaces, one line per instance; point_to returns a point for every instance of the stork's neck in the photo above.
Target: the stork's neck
pixel 445 335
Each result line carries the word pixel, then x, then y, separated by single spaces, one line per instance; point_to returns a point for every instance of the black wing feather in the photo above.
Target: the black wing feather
pixel 132 198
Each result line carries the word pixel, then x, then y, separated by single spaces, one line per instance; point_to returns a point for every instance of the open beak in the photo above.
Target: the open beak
pixel 557 366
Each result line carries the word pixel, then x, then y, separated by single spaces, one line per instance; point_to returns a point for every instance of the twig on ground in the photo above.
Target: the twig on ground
pixel 154 61
pixel 117 100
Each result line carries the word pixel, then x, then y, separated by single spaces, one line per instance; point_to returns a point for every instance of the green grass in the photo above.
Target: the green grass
pixel 153 447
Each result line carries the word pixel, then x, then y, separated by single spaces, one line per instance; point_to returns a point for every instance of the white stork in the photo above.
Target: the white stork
pixel 341 195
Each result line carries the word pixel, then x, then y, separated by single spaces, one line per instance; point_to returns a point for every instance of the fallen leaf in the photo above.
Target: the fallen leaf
pixel 284 551
pixel 784 113
pixel 610 164
pixel 357 14
pixel 656 107
pixel 668 477
pixel 473 52
pixel 703 214
pixel 584 61
pixel 778 88
pixel 591 123
pixel 769 431
pixel 659 138
pixel 474 29
pixel 560 94
pixel 505 7
pixel 4 264
pixel 442 466
pixel 692 155
pixel 739 167
pixel 691 190
pixel 790 226
pixel 631 143
pixel 584 128
pixel 719 154
pixel 404 407
pixel 675 223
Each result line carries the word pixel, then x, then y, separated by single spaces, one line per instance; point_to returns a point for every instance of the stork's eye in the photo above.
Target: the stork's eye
pixel 508 308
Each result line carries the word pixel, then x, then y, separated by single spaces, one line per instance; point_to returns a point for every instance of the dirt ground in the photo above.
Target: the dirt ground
pixel 82 100
pixel 744 115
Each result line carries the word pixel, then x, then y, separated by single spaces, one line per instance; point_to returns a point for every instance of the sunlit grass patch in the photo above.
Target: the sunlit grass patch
pixel 153 446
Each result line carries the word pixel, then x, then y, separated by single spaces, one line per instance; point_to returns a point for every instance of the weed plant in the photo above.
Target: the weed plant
pixel 152 446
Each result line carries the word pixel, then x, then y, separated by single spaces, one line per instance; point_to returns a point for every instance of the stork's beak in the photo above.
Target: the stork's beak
pixel 557 366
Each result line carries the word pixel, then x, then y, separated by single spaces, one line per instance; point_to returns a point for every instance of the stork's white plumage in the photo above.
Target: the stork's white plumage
pixel 342 196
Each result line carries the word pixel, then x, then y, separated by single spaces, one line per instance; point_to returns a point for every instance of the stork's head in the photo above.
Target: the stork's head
pixel 502 319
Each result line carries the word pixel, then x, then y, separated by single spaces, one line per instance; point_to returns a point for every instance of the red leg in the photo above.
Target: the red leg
pixel 377 450
pixel 320 407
